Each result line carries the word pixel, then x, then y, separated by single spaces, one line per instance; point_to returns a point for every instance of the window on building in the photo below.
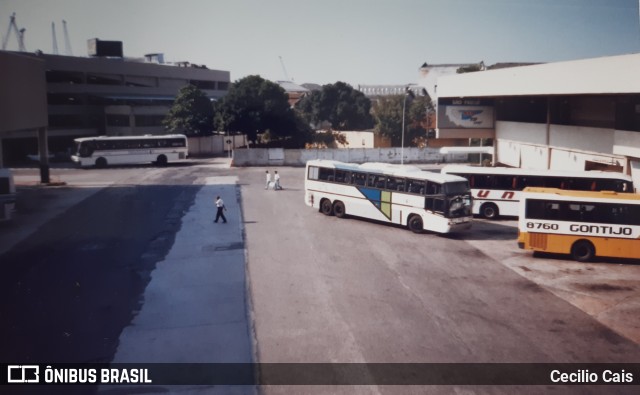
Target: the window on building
pixel 58 121
pixel 201 84
pixel 64 77
pixel 117 120
pixel 104 79
pixel 148 120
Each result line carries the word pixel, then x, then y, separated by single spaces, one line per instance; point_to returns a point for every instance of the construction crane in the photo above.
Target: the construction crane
pixel 67 42
pixel 19 33
pixel 54 38
pixel 284 69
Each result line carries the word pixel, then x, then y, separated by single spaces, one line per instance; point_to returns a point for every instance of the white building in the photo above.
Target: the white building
pixel 574 115
pixel 87 96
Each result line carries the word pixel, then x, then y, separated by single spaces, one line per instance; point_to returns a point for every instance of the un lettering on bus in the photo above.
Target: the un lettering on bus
pixel 505 195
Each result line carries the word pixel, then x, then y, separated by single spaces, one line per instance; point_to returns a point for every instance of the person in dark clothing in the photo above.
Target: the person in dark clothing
pixel 221 208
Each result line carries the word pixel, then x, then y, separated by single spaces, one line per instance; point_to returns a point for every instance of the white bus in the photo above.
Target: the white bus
pixel 7 194
pixel 496 190
pixel 403 195
pixel 102 151
pixel 582 224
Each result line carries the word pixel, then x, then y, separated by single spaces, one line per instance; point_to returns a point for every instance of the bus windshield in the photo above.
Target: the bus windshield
pixel 456 188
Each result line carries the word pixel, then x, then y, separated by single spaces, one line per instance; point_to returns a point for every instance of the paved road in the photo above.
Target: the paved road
pixel 346 290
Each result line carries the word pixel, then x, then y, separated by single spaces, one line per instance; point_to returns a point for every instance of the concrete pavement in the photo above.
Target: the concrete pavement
pixel 195 307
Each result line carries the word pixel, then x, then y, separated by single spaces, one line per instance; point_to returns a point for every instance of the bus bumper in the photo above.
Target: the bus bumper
pixel 457 225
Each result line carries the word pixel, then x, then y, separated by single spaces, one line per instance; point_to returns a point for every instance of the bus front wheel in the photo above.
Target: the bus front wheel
pixel 338 209
pixel 415 224
pixel 325 207
pixel 583 251
pixel 489 211
pixel 101 162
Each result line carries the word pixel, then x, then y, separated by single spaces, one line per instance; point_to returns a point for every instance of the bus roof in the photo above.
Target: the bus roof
pixel 388 169
pixel 144 136
pixel 569 194
pixel 461 169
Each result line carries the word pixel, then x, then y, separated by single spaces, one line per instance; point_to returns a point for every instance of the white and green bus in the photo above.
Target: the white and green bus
pixel 402 195
pixel 103 151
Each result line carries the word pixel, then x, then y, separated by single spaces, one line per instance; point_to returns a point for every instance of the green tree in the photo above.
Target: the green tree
pixel 387 113
pixel 339 104
pixel 255 105
pixel 191 113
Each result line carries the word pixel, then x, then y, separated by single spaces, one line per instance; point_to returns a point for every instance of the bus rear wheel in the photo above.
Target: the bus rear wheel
pixel 162 160
pixel 415 224
pixel 326 207
pixel 338 209
pixel 101 162
pixel 489 211
pixel 583 251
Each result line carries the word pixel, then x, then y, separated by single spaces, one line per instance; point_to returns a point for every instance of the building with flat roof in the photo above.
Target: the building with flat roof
pixel 88 96
pixel 573 115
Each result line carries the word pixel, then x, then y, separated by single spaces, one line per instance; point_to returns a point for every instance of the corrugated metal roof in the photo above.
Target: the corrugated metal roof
pixel 289 86
pixel 606 75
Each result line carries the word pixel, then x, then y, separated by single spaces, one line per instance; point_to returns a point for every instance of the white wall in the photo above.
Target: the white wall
pixel 582 138
pixel 570 147
pixel 533 133
pixel 298 157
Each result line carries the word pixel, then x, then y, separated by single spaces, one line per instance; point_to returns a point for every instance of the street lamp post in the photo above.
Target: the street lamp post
pixel 407 92
pixel 404 105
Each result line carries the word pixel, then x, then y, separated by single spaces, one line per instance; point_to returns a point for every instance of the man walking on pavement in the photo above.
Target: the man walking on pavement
pixel 276 179
pixel 221 208
pixel 268 180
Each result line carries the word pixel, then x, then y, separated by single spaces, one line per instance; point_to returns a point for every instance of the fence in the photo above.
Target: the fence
pixel 299 157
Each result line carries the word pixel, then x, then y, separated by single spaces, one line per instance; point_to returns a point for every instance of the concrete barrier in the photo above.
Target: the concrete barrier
pixel 299 157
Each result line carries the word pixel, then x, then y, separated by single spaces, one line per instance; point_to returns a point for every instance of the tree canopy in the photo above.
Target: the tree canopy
pixel 339 104
pixel 255 105
pixel 191 113
pixel 387 112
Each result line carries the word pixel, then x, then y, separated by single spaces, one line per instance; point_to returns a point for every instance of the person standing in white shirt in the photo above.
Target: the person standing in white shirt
pixel 268 180
pixel 276 178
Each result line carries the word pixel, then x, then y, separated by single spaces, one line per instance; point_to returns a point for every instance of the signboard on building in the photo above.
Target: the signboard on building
pixel 465 114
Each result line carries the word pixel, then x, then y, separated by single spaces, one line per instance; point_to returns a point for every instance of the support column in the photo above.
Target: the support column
pixel 43 148
pixel 548 138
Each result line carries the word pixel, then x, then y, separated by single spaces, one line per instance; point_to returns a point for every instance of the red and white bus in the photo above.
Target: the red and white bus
pixel 497 190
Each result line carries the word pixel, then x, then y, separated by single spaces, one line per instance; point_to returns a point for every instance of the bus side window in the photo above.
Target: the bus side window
pixel 391 183
pixel 433 188
pixel 325 174
pixel 340 175
pixel 552 211
pixel 359 178
pixel 504 182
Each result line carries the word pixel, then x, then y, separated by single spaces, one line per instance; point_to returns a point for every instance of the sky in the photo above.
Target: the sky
pixel 366 42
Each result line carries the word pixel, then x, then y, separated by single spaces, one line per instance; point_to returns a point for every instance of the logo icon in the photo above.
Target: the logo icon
pixel 23 374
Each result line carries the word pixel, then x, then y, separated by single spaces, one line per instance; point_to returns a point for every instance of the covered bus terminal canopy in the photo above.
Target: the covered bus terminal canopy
pixel 574 115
